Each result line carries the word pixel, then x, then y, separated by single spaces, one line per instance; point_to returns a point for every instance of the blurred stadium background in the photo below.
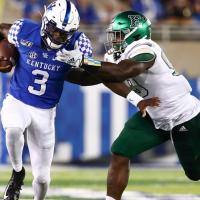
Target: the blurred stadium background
pixel 90 118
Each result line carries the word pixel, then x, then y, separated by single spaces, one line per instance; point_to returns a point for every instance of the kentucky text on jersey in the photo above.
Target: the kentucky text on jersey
pixel 42 65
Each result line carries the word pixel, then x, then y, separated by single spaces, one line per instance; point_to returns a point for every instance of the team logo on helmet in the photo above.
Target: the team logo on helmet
pixel 135 20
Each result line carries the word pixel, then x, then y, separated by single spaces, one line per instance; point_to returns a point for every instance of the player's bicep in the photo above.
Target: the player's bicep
pixel 85 45
pixel 14 32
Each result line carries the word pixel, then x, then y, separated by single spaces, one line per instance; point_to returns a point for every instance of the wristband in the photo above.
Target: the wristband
pixel 134 98
pixel 91 62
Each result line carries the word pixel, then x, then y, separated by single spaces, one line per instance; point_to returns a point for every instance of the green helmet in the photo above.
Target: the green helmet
pixel 127 27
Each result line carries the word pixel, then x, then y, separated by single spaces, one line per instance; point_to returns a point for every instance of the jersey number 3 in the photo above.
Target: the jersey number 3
pixel 41 82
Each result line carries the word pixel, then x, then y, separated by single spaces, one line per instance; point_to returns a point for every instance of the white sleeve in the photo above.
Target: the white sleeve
pixel 142 49
pixel 142 46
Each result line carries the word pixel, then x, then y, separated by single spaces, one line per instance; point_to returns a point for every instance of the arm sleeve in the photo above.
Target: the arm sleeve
pixel 143 53
pixel 14 31
pixel 85 45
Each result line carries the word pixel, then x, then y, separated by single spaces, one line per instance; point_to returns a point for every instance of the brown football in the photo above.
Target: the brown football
pixel 9 51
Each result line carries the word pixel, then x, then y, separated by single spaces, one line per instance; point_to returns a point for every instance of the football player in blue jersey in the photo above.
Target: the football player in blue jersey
pixel 36 86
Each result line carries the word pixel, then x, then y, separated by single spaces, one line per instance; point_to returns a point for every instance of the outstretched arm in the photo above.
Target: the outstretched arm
pixel 118 72
pixel 106 75
pixel 106 71
pixel 81 77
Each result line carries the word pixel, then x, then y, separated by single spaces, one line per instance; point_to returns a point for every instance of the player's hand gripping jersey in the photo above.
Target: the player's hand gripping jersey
pixel 38 78
pixel 161 80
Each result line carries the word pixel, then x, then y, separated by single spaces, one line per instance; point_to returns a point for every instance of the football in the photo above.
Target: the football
pixel 9 51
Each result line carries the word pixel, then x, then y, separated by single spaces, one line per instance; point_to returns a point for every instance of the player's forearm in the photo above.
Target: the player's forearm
pixel 87 81
pixel 118 72
pixel 123 90
pixel 118 88
pixel 125 69
pixel 82 78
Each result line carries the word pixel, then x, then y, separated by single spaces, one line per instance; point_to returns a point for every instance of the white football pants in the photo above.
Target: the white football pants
pixel 40 127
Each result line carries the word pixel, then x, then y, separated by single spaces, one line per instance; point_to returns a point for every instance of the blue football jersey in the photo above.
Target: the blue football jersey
pixel 38 78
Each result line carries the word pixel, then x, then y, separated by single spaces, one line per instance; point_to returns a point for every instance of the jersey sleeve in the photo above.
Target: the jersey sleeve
pixel 140 52
pixel 14 32
pixel 85 45
pixel 143 53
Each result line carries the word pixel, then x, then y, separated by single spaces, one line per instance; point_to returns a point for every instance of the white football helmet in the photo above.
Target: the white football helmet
pixel 59 22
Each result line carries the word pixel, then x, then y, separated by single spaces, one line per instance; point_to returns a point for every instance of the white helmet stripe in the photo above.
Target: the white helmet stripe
pixel 68 11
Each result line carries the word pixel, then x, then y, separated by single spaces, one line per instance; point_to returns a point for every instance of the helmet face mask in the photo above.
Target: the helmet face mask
pixel 60 21
pixel 127 27
pixel 115 38
pixel 114 43
pixel 57 35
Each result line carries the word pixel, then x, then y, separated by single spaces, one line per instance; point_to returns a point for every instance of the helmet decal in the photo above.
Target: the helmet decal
pixel 135 20
pixel 68 11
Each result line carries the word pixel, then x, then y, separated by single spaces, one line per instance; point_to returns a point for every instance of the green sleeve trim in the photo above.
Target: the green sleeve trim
pixel 144 57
